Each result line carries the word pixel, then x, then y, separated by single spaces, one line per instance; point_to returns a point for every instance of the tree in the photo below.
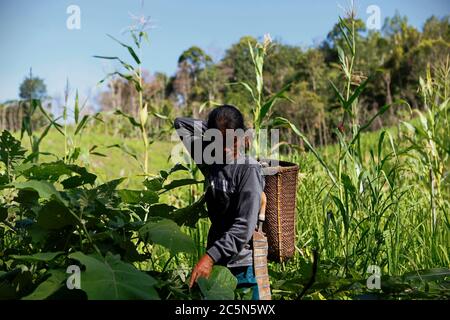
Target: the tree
pixel 33 88
pixel 190 64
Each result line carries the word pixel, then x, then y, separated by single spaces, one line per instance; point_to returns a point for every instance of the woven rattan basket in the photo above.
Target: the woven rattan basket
pixel 280 189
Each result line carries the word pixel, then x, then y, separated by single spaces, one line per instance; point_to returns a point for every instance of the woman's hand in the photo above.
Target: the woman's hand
pixel 203 268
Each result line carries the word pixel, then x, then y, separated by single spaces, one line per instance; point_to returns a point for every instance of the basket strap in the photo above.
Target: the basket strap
pixel 262 212
pixel 279 215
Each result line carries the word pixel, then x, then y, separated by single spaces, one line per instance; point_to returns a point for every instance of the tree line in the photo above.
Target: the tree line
pixel 393 57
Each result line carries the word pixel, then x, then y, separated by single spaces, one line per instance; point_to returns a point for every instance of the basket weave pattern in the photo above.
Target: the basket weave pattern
pixel 281 189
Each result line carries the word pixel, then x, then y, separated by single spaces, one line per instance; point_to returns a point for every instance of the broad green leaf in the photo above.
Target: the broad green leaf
pixel 77 181
pixel 161 210
pixel 110 278
pixel 11 150
pixel 38 257
pixel 138 196
pixel 3 213
pixel 46 171
pixel 45 189
pixel 166 173
pixel 54 215
pixel 49 286
pixel 188 216
pixel 178 167
pixel 220 285
pixel 168 234
pixel 154 184
pixel 54 170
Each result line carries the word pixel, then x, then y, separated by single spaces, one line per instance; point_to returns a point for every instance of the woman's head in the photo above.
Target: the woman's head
pixel 228 119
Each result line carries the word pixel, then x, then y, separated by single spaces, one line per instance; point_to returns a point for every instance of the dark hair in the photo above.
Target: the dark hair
pixel 226 117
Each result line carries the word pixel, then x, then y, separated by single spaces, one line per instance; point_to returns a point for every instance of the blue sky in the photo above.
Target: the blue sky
pixel 34 33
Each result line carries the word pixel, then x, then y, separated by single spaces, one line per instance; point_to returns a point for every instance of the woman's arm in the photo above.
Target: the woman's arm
pixel 191 133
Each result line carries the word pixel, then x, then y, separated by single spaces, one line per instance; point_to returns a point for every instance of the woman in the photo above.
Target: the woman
pixel 233 193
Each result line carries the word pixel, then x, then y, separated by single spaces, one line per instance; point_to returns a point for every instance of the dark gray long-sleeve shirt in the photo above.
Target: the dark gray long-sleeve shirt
pixel 233 198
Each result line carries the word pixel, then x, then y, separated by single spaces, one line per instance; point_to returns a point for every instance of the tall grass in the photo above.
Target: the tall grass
pixel 363 206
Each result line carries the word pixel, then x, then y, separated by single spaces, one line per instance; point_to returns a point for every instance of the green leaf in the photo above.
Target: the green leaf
pixel 161 210
pixel 76 181
pixel 154 184
pixel 76 109
pixel 45 171
pixel 189 215
pixel 168 234
pixel 177 167
pixel 340 205
pixel 10 149
pixel 348 184
pixel 45 189
pixel 38 257
pixel 180 183
pixel 266 107
pixel 356 94
pixel 52 121
pixel 127 150
pixel 220 285
pixel 248 88
pixel 130 118
pixel 54 215
pixel 338 94
pixel 82 124
pixel 138 196
pixel 123 63
pixel 282 122
pixel 54 170
pixel 49 286
pixel 3 213
pixel 110 278
pixel 382 110
pixel 130 49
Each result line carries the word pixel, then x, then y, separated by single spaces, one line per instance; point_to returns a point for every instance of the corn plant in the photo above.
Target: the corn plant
pixel 361 198
pixel 262 104
pixel 72 150
pixel 429 137
pixel 35 139
pixel 133 75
